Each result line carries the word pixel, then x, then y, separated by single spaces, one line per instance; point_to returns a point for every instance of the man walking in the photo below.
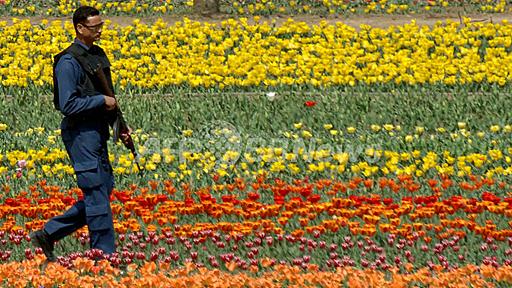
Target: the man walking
pixel 85 131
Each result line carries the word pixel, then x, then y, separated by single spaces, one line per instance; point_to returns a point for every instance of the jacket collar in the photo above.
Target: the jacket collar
pixel 81 44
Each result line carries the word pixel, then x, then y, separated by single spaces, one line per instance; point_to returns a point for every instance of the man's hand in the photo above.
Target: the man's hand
pixel 125 135
pixel 110 103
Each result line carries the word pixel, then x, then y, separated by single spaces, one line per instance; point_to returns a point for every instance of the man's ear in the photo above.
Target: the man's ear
pixel 79 28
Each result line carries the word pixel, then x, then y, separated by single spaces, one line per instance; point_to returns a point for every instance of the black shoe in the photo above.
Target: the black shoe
pixel 41 239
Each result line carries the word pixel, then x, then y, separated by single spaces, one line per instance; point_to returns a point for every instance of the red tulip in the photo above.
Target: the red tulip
pixel 253 196
pixel 310 103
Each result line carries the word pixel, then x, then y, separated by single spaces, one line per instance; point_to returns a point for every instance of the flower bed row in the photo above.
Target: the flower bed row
pixel 377 224
pixel 150 274
pixel 248 7
pixel 377 151
pixel 194 54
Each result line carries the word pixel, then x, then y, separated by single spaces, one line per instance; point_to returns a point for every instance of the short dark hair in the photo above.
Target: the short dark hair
pixel 82 13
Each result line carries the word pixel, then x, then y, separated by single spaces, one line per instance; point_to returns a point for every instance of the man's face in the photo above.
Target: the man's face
pixel 90 30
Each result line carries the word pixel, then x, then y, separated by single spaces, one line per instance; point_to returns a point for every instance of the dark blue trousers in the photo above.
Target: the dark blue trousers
pixel 94 210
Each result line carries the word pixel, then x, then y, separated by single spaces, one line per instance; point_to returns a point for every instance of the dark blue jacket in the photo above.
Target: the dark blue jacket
pixel 85 126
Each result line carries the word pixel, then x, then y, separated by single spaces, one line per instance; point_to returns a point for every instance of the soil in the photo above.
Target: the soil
pixel 381 21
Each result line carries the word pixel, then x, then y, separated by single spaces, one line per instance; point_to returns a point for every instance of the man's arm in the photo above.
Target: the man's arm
pixel 68 76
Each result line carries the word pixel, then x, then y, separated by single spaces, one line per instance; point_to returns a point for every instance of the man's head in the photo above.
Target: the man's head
pixel 88 24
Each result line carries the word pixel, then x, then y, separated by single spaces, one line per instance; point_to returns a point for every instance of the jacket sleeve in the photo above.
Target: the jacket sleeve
pixel 68 73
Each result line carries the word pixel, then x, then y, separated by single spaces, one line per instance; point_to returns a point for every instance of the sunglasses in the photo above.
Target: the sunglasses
pixel 93 28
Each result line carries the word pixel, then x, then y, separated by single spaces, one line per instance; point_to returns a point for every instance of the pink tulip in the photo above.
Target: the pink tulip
pixel 22 163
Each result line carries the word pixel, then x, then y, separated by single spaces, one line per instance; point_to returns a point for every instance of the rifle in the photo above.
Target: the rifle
pixel 119 127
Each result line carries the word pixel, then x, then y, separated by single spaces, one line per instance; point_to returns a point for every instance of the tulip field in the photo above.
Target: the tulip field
pixel 291 154
pixel 251 7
